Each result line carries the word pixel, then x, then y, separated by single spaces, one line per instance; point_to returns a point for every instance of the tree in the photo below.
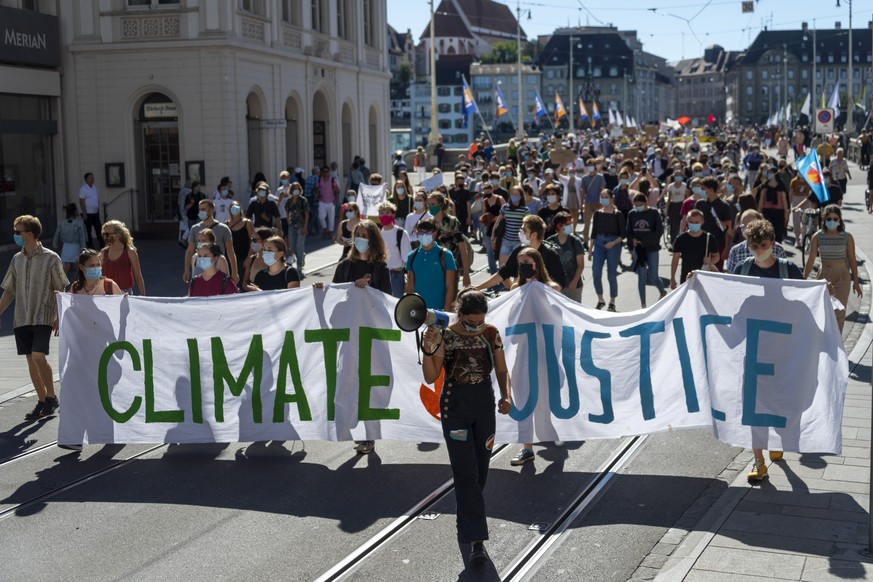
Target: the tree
pixel 404 72
pixel 506 53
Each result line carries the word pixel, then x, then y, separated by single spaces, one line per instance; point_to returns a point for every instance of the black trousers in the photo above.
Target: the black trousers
pixel 468 426
pixel 93 220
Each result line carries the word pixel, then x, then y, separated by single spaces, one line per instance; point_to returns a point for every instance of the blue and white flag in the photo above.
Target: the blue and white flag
pixel 809 166
pixel 540 107
pixel 502 109
pixel 469 102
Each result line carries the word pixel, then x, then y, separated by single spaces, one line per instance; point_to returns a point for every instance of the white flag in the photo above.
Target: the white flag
pixel 788 112
pixel 619 120
pixel 805 110
pixel 834 103
pixel 611 116
pixel 627 121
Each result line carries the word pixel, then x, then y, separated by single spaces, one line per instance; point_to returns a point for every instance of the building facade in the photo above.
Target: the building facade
pixel 31 149
pixel 703 85
pixel 450 72
pixel 174 91
pixel 782 66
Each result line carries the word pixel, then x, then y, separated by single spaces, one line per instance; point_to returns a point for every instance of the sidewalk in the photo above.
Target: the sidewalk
pixel 809 520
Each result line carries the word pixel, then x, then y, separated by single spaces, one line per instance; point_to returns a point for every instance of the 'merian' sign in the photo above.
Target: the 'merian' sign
pixel 29 38
pixel 758 360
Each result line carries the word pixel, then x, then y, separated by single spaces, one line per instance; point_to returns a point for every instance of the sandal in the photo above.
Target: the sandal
pixel 600 305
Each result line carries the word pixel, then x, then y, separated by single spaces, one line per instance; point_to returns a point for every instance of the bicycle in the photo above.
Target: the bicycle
pixel 809 225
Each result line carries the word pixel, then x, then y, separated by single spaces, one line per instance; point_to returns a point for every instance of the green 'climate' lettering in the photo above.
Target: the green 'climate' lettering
pixel 221 374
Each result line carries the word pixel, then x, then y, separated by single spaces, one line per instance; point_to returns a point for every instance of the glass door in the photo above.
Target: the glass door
pixel 163 175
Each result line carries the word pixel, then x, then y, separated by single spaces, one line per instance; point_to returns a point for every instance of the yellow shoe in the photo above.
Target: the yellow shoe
pixel 775 455
pixel 758 472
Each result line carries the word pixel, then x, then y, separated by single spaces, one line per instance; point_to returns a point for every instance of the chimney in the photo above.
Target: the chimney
pixel 837 25
pixel 804 26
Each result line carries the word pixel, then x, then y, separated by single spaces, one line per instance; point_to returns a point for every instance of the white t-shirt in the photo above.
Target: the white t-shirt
pixel 283 193
pixel 89 195
pixel 222 207
pixel 396 255
pixel 677 192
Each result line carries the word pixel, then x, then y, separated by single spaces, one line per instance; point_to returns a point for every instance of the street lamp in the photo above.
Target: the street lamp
pixel 434 133
pixel 850 122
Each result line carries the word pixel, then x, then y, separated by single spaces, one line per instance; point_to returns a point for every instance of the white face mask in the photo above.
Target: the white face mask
pixel 523 238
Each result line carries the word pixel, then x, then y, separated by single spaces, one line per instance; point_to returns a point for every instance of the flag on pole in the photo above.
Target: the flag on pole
pixel 834 103
pixel 805 110
pixel 612 120
pixel 469 102
pixel 809 166
pixel 619 120
pixel 540 107
pixel 788 112
pixel 595 111
pixel 559 108
pixel 627 121
pixel 583 112
pixel 501 104
pixel 824 103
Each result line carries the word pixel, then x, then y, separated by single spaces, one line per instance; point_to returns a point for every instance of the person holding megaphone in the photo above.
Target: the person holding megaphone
pixel 469 350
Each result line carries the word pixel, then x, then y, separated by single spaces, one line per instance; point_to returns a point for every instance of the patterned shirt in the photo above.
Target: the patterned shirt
pixel 469 359
pixel 295 211
pixel 33 281
pixel 450 236
pixel 839 168
pixel 740 252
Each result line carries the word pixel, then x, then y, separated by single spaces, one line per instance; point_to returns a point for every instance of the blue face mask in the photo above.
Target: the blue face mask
pixel 832 224
pixel 515 199
pixel 235 210
pixel 269 258
pixel 224 193
pixel 692 227
pixel 419 205
pixel 350 214
pixel 622 182
pixel 202 215
pixel 697 191
pixel 204 263
pixel 283 181
pixel 19 240
pixel 604 201
pixel 362 245
pixel 425 239
pixel 677 178
pixel 568 229
pixel 729 188
pixel 93 273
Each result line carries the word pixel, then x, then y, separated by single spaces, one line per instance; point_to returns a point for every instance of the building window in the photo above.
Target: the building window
pixel 369 23
pixel 444 108
pixel 750 91
pixel 804 57
pixel 319 19
pixel 34 5
pixel 764 74
pixel 597 72
pixel 457 107
pixel 256 7
pixel 532 80
pixel 830 75
pixel 831 58
pixel 550 74
pixel 291 12
pixel 791 74
pixel 459 91
pixel 445 124
pixel 750 75
pixel 843 74
pixel 342 30
pixel 765 90
pixel 750 107
pixel 613 71
pixel 843 58
pixel 804 74
pixel 444 91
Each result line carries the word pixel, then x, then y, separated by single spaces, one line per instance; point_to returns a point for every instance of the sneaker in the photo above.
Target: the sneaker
pixel 478 555
pixel 600 305
pixel 775 455
pixel 523 456
pixel 758 472
pixel 50 407
pixel 611 308
pixel 70 447
pixel 559 443
pixel 36 412
pixel 365 447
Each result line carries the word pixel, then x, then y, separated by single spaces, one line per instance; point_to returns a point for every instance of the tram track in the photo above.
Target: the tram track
pixel 28 453
pixel 75 482
pixel 528 560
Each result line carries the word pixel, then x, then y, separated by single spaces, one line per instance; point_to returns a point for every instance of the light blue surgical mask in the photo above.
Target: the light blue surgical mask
pixel 729 188
pixel 425 239
pixel 362 244
pixel 203 263
pixel 515 199
pixel 202 215
pixel 698 174
pixel 677 178
pixel 235 210
pixel 697 191
pixel 568 229
pixel 283 181
pixel 262 193
pixel 692 227
pixel 419 205
pixel 623 182
pixel 604 201
pixel 19 240
pixel 350 214
pixel 93 273
pixel 832 224
pixel 223 193
pixel 269 258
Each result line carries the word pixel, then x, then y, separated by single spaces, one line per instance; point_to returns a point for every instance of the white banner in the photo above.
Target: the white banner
pixel 432 183
pixel 758 360
pixel 369 197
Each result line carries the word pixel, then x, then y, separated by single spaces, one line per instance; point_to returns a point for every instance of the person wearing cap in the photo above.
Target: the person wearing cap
pixel 263 211
pixel 430 269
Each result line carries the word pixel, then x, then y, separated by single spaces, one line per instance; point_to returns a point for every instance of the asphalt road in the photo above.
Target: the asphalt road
pixel 292 511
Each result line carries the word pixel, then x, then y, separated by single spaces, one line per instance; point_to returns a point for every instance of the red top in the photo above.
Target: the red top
pixel 119 270
pixel 219 284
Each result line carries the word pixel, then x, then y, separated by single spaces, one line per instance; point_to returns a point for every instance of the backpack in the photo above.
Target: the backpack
pixel 783 267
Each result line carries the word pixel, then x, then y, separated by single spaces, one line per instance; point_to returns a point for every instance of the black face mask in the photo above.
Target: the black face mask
pixel 526 271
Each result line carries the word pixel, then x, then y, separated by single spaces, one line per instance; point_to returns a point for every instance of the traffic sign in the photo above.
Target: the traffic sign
pixel 824 120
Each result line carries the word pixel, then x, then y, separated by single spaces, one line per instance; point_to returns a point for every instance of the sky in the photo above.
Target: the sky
pixel 676 29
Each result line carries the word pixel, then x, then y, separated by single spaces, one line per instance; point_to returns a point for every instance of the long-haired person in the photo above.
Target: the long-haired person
pixel 210 281
pixel 120 259
pixel 90 279
pixel 469 350
pixel 343 235
pixel 242 231
pixel 70 237
pixel 607 232
pixel 530 268
pixel 836 249
pixel 365 266
pixel 278 274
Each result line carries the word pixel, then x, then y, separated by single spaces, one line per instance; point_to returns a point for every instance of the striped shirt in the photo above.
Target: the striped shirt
pixel 513 217
pixel 833 247
pixel 740 252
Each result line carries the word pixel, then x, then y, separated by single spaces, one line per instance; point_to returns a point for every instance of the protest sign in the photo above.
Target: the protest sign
pixel 760 361
pixel 432 183
pixel 369 197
